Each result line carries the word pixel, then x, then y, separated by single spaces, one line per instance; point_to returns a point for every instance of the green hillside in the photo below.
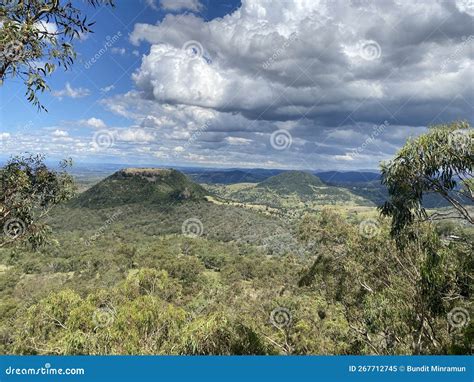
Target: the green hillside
pixel 140 185
pixel 133 274
pixel 298 182
pixel 291 189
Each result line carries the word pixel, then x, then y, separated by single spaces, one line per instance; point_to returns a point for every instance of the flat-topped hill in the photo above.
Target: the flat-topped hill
pixel 140 185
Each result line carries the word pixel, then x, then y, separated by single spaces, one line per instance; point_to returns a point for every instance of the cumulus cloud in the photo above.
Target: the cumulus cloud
pixel 348 83
pixel 61 136
pixel 71 92
pixel 330 73
pixel 95 123
pixel 313 58
pixel 134 135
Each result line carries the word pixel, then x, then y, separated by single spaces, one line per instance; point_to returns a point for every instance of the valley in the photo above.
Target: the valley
pixel 209 264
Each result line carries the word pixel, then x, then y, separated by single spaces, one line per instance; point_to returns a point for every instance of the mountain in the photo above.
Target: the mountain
pixel 226 177
pixel 230 176
pixel 337 177
pixel 255 175
pixel 140 185
pixel 289 189
pixel 141 204
pixel 292 182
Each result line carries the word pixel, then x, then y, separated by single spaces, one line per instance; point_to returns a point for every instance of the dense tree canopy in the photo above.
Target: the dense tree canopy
pixel 137 290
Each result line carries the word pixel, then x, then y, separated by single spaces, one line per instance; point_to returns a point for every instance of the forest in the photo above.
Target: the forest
pixel 147 261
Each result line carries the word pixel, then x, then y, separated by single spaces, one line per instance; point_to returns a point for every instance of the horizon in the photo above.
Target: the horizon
pixel 100 165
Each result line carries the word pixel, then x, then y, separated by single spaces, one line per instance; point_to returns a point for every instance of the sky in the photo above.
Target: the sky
pixel 302 84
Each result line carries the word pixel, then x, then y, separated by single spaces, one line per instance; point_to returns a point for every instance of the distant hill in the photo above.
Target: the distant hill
pixel 290 189
pixel 348 176
pixel 226 177
pixel 140 185
pixel 289 182
pixel 255 175
pixel 230 176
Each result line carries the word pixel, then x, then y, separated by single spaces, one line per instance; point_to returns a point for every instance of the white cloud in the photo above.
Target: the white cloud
pixel 107 89
pixel 181 5
pixel 151 4
pixel 178 134
pixel 238 141
pixel 320 59
pixel 327 72
pixel 59 133
pixel 46 27
pixel 71 92
pixel 93 122
pixel 345 157
pixel 134 135
pixel 465 6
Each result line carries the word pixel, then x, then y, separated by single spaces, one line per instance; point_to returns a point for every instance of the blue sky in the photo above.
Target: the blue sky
pixel 112 69
pixel 294 84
